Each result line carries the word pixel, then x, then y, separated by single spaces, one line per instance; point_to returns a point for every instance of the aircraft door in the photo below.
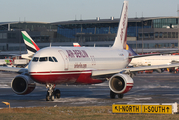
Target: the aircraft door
pixel 65 59
pixel 93 60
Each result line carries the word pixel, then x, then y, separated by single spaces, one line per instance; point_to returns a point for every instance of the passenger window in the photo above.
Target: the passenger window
pixel 42 59
pixel 50 59
pixel 35 59
pixel 55 59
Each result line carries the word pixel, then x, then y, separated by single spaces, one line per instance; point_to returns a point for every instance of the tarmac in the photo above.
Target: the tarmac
pixel 148 88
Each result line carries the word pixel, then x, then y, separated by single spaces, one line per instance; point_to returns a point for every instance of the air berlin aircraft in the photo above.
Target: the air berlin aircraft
pixel 80 65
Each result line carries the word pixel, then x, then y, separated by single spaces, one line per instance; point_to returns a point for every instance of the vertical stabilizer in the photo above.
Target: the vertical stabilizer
pixel 121 37
pixel 76 45
pixel 30 44
pixel 130 50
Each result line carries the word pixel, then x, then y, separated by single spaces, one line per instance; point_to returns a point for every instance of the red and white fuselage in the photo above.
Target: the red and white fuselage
pixel 74 65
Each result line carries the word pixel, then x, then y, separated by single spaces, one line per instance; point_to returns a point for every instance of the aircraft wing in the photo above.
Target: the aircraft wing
pixel 13 69
pixel 174 61
pixel 96 73
pixel 145 55
pixel 137 56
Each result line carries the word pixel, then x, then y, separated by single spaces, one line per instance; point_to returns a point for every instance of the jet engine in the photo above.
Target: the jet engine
pixel 22 84
pixel 120 83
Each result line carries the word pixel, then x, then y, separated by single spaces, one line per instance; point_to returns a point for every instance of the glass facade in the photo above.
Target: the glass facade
pixel 87 32
pixel 27 26
pixel 32 26
pixel 153 45
pixel 165 23
pixel 71 30
pixel 11 37
pixel 92 31
pixel 3 27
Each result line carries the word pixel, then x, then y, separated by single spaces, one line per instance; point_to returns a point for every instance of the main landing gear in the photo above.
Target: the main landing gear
pixel 52 93
pixel 113 95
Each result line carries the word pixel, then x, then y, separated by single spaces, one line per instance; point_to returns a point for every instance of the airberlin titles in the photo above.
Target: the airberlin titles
pixel 77 54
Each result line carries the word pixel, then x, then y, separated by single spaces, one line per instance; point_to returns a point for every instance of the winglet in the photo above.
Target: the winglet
pixel 121 37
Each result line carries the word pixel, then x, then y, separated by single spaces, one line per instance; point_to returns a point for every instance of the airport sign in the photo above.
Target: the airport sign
pixel 155 109
pixel 161 109
pixel 126 108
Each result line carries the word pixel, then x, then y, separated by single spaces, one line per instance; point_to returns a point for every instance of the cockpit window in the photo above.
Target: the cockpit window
pixel 42 59
pixel 50 59
pixel 35 59
pixel 55 59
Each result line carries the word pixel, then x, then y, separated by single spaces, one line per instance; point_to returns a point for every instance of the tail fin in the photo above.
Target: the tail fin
pixel 131 51
pixel 76 45
pixel 30 44
pixel 121 37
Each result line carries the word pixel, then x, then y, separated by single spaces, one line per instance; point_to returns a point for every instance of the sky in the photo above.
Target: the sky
pixel 65 10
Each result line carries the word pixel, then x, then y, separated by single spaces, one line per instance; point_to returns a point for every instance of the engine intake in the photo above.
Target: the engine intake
pixel 22 84
pixel 121 83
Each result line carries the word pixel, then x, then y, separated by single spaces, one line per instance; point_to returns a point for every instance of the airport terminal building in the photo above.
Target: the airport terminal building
pixel 154 33
pixel 151 33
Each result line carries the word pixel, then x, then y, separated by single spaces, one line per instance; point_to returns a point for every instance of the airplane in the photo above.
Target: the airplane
pixel 153 60
pixel 81 65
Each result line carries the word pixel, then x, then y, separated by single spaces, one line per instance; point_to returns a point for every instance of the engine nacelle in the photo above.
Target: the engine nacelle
pixel 22 84
pixel 121 83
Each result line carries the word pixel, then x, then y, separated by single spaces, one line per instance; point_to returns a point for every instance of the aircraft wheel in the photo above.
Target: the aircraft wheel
pixel 50 92
pixel 52 98
pixel 120 96
pixel 47 98
pixel 112 94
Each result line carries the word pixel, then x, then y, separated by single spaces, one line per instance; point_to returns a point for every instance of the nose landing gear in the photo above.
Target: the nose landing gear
pixel 52 93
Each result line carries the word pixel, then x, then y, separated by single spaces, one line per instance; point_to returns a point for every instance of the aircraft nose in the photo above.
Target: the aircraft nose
pixel 32 67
